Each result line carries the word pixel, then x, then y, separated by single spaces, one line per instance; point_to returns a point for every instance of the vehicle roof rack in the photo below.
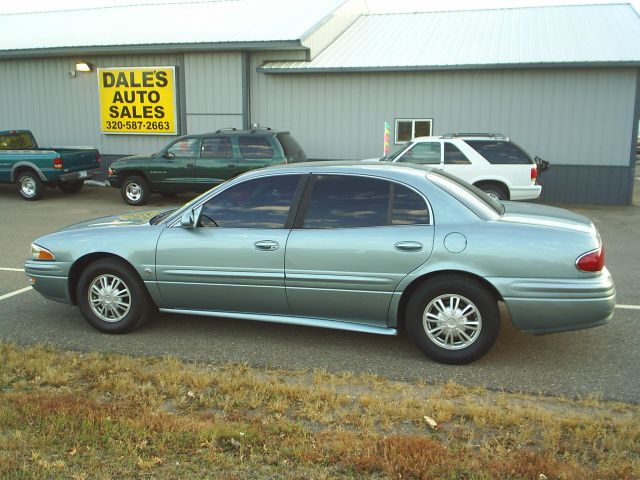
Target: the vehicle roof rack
pixel 220 130
pixel 475 134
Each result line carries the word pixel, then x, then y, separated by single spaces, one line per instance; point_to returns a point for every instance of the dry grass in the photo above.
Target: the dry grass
pixel 80 416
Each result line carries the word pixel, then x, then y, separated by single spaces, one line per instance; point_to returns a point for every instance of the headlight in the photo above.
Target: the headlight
pixel 39 253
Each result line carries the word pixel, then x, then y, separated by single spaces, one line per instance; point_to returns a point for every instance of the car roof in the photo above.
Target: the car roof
pixel 233 131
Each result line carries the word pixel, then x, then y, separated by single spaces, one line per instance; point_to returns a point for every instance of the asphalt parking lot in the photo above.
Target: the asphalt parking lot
pixel 601 361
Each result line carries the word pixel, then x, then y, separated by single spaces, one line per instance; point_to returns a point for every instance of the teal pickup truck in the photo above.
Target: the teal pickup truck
pixel 33 168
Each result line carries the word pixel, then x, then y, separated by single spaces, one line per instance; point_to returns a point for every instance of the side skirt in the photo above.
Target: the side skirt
pixel 289 320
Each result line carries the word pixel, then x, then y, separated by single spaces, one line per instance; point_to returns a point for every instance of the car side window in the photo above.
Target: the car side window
pixel 255 147
pixel 259 203
pixel 216 147
pixel 408 207
pixel 187 147
pixel 425 153
pixel 500 152
pixel 453 155
pixel 342 201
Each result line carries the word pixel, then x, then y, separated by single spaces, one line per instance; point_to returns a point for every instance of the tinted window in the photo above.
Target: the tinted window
pixel 408 207
pixel 259 203
pixel 255 147
pixel 345 201
pixel 453 155
pixel 500 151
pixel 185 148
pixel 291 148
pixel 426 153
pixel 216 147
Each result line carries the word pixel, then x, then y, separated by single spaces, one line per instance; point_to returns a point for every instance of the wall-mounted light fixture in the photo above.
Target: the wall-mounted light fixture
pixel 83 67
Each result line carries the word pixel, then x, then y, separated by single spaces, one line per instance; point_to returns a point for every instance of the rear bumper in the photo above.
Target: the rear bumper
pixel 525 193
pixel 80 175
pixel 541 306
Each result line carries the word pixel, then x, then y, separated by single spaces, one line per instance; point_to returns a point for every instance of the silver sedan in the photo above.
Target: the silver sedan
pixel 366 247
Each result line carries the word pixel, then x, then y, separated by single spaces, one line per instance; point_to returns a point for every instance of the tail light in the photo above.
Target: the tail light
pixel 57 163
pixel 534 173
pixel 591 261
pixel 98 158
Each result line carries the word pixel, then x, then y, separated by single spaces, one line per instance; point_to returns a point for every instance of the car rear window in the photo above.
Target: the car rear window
pixel 500 152
pixel 468 194
pixel 289 145
pixel 17 141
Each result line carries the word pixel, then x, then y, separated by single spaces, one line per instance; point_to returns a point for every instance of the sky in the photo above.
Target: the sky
pixel 375 6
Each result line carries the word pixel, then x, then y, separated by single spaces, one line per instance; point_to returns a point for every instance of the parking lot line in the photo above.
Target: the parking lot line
pixel 628 307
pixel 5 269
pixel 17 292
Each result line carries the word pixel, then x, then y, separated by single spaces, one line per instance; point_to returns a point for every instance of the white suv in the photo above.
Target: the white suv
pixel 489 161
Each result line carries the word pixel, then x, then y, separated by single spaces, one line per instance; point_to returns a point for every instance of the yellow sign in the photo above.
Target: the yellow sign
pixel 138 100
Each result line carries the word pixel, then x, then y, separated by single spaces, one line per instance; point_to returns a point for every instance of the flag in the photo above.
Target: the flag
pixel 386 149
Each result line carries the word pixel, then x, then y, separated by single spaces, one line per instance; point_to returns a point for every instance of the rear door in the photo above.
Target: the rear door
pixel 174 170
pixel 256 151
pixel 217 162
pixel 358 237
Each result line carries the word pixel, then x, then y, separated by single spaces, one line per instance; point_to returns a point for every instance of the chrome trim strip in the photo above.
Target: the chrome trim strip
pixel 289 320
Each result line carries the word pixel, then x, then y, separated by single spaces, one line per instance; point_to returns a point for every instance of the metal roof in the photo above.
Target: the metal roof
pixel 221 23
pixel 527 37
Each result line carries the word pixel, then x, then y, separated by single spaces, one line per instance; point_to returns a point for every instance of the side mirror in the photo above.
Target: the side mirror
pixel 188 219
pixel 169 155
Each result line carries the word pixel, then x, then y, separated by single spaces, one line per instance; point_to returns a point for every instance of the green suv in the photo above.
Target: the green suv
pixel 195 163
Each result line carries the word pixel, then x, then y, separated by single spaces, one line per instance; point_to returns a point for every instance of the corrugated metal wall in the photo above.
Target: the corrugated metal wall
pixel 39 95
pixel 571 116
pixel 213 88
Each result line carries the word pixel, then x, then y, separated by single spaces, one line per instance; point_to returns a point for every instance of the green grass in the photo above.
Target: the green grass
pixel 76 416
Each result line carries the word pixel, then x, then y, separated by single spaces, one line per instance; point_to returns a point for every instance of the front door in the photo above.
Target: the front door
pixel 233 260
pixel 174 169
pixel 359 237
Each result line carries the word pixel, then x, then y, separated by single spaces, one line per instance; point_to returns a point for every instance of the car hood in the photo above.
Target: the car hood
pixel 132 158
pixel 535 214
pixel 122 220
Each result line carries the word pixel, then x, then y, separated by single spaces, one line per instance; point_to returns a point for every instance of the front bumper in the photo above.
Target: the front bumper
pixel 542 306
pixel 80 175
pixel 50 279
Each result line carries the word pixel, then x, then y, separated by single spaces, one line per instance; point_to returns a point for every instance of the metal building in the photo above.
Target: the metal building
pixel 563 82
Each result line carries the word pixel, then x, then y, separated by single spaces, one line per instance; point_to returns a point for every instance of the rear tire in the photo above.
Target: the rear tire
pixel 112 297
pixel 135 190
pixel 453 319
pixel 494 190
pixel 30 187
pixel 71 187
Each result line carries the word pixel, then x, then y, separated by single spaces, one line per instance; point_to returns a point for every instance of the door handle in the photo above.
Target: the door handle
pixel 408 246
pixel 231 165
pixel 266 245
pixel 190 165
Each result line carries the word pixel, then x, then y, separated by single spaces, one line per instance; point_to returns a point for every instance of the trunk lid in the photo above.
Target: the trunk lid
pixel 534 214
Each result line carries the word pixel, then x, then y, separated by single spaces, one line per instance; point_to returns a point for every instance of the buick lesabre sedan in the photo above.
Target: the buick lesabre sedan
pixel 365 247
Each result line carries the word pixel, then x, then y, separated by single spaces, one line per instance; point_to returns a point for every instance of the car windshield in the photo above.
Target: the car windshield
pixel 392 156
pixel 469 194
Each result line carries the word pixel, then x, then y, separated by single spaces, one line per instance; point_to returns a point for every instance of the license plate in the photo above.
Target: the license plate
pixel 82 174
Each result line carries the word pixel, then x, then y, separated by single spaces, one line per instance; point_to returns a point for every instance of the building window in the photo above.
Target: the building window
pixel 410 128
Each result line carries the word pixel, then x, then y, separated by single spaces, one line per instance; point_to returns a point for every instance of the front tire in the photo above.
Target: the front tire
pixel 135 190
pixel 453 319
pixel 30 187
pixel 112 297
pixel 71 187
